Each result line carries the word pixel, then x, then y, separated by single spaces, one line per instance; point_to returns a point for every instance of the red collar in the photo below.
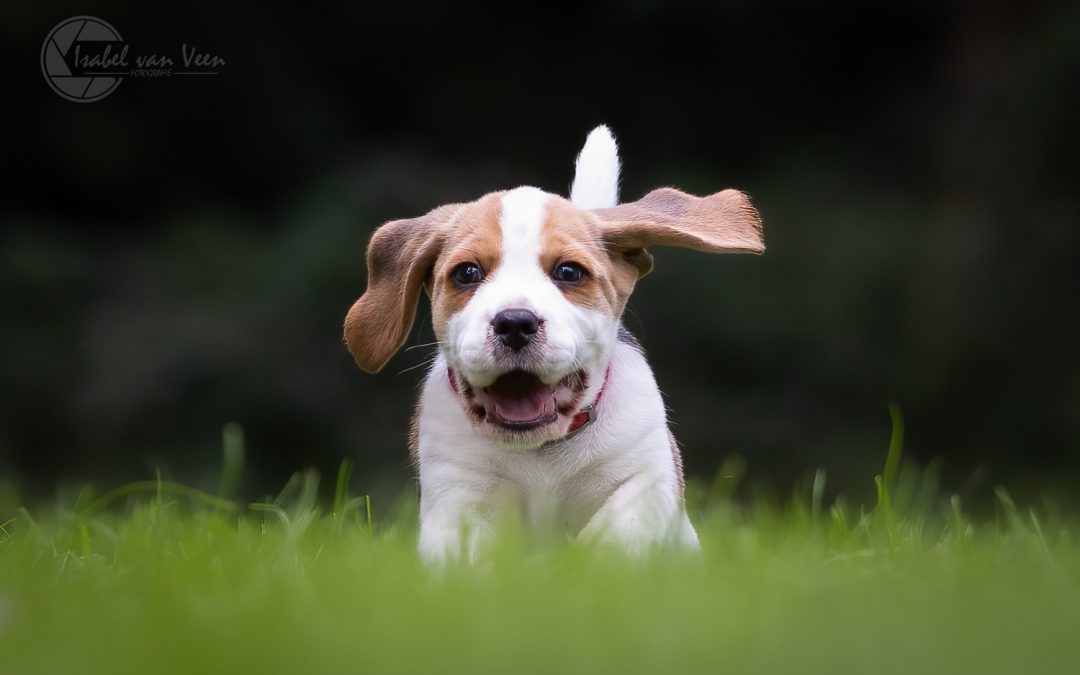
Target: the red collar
pixel 586 416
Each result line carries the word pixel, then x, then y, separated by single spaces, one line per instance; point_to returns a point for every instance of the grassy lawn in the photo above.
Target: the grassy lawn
pixel 158 578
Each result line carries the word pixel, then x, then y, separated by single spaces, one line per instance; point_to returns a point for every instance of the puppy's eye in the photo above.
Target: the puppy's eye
pixel 467 274
pixel 568 273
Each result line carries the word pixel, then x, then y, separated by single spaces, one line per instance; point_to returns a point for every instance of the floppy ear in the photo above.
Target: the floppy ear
pixel 399 258
pixel 725 222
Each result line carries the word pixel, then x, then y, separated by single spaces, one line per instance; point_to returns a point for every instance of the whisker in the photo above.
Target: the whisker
pixel 426 344
pixel 424 363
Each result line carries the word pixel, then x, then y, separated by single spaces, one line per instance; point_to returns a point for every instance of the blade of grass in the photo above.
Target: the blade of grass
pixel 158 487
pixel 341 490
pixel 232 447
pixel 896 448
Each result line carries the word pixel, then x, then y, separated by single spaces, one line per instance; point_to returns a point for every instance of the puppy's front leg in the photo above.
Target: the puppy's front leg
pixel 455 519
pixel 644 510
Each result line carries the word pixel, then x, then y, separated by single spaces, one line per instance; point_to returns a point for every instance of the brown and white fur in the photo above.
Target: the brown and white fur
pixel 491 427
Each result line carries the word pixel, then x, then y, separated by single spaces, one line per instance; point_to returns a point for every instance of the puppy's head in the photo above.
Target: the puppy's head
pixel 527 288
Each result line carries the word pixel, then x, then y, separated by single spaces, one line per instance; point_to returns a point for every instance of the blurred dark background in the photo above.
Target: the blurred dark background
pixel 181 254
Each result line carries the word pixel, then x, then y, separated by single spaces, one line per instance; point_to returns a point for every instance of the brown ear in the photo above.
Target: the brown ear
pixel 399 258
pixel 725 222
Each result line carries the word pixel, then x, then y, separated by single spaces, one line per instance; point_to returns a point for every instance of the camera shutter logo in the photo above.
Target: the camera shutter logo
pixel 82 59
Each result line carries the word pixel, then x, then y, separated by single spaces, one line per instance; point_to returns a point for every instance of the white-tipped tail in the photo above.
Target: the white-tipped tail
pixel 596 176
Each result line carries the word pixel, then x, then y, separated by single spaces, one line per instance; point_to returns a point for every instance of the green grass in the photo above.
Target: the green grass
pixel 159 578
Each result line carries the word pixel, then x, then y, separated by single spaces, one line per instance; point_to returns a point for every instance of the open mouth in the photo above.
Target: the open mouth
pixel 521 401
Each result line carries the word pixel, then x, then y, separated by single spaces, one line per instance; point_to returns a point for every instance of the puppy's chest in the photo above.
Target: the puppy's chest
pixel 557 499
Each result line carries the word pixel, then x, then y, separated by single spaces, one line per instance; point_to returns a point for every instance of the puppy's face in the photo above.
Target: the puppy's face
pixel 527 287
pixel 526 302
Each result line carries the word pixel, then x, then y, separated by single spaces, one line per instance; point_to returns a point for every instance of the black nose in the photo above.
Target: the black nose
pixel 514 327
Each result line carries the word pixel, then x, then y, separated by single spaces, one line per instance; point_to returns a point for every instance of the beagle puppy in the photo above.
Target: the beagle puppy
pixel 539 402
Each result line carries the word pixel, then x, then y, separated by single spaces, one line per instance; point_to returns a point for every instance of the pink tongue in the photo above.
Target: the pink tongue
pixel 525 408
pixel 521 397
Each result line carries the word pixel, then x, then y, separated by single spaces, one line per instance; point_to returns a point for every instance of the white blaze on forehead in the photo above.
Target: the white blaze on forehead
pixel 522 221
